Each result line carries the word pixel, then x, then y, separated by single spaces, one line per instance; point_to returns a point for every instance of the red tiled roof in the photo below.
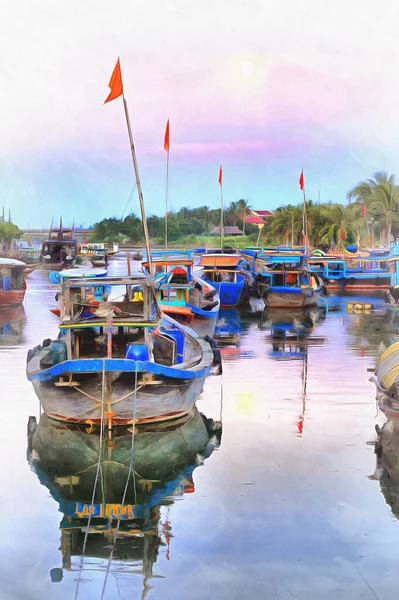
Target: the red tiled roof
pixel 255 220
pixel 262 213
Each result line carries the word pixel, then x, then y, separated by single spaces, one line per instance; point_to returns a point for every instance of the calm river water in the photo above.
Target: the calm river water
pixel 283 501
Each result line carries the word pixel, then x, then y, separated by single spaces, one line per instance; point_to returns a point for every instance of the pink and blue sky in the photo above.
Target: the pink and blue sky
pixel 261 86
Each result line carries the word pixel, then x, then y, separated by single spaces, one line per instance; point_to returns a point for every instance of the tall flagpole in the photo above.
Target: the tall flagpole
pixel 140 192
pixel 221 207
pixel 166 202
pixel 167 148
pixel 304 221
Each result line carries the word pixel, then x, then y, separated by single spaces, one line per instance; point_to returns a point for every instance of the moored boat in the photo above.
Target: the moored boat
pixel 30 256
pixel 118 358
pixel 363 271
pixel 183 296
pixel 59 250
pixel 12 283
pixel 386 380
pixel 226 273
pixel 289 283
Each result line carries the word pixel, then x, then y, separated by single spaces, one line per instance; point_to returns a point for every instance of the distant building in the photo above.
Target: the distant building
pixel 227 230
pixel 257 217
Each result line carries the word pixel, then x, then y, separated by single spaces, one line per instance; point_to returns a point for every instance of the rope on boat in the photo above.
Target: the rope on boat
pixel 113 401
pixel 95 481
pixel 130 473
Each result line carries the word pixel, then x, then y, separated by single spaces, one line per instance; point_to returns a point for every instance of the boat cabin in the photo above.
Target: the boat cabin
pixel 30 255
pixel 116 318
pixel 221 268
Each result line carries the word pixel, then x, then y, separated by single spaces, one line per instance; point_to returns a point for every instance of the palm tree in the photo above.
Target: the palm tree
pixel 243 210
pixel 339 223
pixel 231 213
pixel 287 220
pixel 379 195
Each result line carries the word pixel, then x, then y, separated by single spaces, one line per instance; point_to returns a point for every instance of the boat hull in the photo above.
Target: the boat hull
pixel 11 297
pixel 232 294
pixel 360 283
pixel 289 299
pixel 159 401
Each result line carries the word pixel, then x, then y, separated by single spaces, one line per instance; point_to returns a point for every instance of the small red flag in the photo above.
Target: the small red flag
pixel 115 83
pixel 301 181
pixel 220 179
pixel 363 210
pixel 166 139
pixel 342 235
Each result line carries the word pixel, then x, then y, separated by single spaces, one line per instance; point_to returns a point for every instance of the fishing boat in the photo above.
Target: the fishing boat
pixel 83 272
pixel 182 295
pixel 354 272
pixel 59 250
pixel 392 295
pixel 227 274
pixel 30 255
pixel 99 259
pixel 116 520
pixel 12 283
pixel 118 357
pixel 386 380
pixel 289 283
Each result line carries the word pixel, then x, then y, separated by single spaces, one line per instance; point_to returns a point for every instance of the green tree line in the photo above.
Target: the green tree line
pixel 370 214
pixel 187 221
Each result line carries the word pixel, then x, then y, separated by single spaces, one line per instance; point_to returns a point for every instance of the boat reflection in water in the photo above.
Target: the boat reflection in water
pixel 12 323
pixel 387 467
pixel 228 327
pixel 111 496
pixel 290 336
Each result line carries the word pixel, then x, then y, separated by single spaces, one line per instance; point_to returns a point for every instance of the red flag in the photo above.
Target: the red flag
pixel 115 83
pixel 363 210
pixel 166 139
pixel 220 179
pixel 301 181
pixel 342 235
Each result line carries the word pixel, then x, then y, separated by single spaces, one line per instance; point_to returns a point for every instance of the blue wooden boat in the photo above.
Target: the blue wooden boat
pixel 386 380
pixel 227 273
pixel 182 295
pixel 289 283
pixel 118 358
pixel 355 272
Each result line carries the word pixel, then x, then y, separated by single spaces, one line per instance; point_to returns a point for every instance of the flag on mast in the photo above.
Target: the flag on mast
pixel 363 210
pixel 220 178
pixel 166 139
pixel 115 83
pixel 301 181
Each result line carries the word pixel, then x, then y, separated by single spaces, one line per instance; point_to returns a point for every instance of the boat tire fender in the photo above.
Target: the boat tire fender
pixel 210 341
pixel 47 342
pixel 210 305
pixel 210 294
pixel 217 362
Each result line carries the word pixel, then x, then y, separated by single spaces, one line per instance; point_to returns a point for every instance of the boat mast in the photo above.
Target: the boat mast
pixel 166 147
pixel 140 192
pixel 221 207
